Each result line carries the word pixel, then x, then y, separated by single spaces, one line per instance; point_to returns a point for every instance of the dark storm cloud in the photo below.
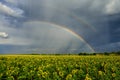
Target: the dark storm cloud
pixel 60 12
pixel 96 21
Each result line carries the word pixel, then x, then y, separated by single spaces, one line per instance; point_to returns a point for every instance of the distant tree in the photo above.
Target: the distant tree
pixel 83 54
pixel 118 53
pixel 106 53
pixel 94 54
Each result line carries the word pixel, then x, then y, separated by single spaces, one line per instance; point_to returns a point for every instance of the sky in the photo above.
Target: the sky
pixel 59 26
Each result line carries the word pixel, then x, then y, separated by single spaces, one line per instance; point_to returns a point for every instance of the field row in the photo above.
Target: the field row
pixel 59 67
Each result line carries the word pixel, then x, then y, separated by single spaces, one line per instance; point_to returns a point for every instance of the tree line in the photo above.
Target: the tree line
pixel 105 53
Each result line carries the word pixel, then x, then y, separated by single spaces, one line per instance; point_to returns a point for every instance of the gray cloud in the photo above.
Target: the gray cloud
pixel 44 36
pixel 109 47
pixel 16 12
pixel 49 36
pixel 87 18
pixel 13 35
pixel 106 6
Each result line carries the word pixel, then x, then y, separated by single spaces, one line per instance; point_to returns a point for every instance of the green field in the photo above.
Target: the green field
pixel 59 67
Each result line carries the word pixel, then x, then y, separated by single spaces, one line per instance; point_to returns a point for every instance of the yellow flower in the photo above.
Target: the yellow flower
pixel 69 76
pixel 1 74
pixel 113 69
pixel 74 71
pixel 87 77
pixel 113 74
pixel 44 74
pixel 100 72
pixel 61 73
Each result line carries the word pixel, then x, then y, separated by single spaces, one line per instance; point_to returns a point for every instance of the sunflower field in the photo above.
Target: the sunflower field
pixel 59 67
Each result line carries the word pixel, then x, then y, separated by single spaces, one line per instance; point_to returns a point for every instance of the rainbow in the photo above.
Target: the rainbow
pixel 80 20
pixel 65 29
pixel 77 18
pixel 83 22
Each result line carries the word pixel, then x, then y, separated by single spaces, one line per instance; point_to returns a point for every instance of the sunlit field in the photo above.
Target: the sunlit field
pixel 59 67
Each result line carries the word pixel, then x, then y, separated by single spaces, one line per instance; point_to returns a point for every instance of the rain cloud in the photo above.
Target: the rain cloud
pixel 86 18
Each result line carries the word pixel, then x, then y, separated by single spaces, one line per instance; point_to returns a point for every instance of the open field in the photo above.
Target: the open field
pixel 59 67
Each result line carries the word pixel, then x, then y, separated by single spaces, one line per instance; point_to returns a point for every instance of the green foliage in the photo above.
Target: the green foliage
pixel 57 67
pixel 105 53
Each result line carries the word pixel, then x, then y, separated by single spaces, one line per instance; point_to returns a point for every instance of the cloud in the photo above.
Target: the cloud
pixel 3 34
pixel 12 1
pixel 113 7
pixel 51 37
pixel 9 34
pixel 61 12
pixel 44 36
pixel 93 6
pixel 106 6
pixel 16 12
pixel 109 47
pixel 15 37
